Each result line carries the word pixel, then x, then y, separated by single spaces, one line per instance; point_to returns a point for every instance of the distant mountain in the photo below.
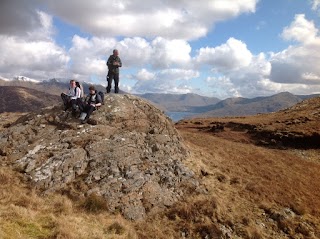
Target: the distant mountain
pixel 305 97
pixel 244 106
pixel 53 86
pixel 25 79
pixel 22 99
pixel 189 104
pixel 3 79
pixel 178 102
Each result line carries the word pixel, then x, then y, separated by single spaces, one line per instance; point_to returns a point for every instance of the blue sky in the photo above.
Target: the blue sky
pixel 218 48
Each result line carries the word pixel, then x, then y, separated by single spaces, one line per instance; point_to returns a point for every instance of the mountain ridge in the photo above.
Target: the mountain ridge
pixel 23 99
pixel 245 106
pixel 197 105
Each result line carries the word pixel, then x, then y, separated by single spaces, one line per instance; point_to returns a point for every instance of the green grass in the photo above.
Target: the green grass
pixel 25 229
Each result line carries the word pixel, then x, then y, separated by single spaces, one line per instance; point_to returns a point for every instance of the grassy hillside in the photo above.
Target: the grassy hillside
pixel 249 188
pixel 244 106
pixel 22 99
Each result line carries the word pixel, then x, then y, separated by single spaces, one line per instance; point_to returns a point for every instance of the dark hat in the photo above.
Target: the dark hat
pixel 92 88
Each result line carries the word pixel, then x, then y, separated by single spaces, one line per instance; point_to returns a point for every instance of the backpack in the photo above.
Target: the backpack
pixel 102 97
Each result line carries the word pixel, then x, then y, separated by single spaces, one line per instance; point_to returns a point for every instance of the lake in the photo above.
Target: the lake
pixel 176 116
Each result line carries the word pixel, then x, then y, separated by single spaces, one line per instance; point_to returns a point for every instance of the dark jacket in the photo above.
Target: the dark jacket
pixel 95 99
pixel 112 68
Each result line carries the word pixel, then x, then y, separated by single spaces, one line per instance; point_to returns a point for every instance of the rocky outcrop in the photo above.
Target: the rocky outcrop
pixel 132 156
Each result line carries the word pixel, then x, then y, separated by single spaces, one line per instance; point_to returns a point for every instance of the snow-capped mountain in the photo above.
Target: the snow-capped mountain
pixel 25 79
pixel 57 80
pixel 4 79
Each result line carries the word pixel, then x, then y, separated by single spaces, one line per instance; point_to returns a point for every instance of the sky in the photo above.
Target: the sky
pixel 215 48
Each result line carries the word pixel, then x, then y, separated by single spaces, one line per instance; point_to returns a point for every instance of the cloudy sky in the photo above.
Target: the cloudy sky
pixel 219 48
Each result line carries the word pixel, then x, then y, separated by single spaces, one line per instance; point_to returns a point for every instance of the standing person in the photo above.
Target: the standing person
pixel 72 97
pixel 92 102
pixel 113 63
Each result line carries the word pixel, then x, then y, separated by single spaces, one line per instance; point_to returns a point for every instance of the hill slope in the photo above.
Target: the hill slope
pixel 178 102
pixel 22 99
pixel 254 187
pixel 244 106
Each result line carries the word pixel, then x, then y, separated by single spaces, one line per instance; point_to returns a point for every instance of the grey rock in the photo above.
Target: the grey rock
pixel 133 156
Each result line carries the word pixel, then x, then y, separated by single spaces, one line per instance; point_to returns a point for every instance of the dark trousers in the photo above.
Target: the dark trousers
pixel 115 77
pixel 69 103
pixel 88 109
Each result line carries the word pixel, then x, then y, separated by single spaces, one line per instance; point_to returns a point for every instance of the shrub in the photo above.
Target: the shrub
pixel 95 203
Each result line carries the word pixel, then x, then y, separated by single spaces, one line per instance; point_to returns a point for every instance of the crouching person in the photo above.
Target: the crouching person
pixel 71 99
pixel 92 101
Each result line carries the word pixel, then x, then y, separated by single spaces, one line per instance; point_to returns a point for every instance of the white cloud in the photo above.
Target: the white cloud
pixel 236 71
pixel 299 89
pixel 315 4
pixel 35 55
pixel 145 75
pixel 300 30
pixel 169 19
pixel 89 55
pixel 38 60
pixel 161 55
pixel 168 53
pixel 137 51
pixel 222 87
pixel 310 76
pixel 18 17
pixel 165 81
pixel 178 74
pixel 232 55
pixel 298 64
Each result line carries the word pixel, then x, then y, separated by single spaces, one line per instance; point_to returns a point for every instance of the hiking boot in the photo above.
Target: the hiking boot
pixel 92 121
pixel 83 116
pixel 84 121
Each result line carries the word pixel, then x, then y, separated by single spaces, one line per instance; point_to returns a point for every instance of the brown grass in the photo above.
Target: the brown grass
pixel 26 214
pixel 249 192
pixel 94 203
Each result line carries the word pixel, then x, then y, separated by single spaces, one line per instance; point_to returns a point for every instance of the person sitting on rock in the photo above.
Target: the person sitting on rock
pixel 71 99
pixel 92 101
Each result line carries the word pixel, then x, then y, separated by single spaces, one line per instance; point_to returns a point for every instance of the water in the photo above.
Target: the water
pixel 176 116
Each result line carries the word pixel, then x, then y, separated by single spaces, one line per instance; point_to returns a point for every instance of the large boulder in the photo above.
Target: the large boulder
pixel 132 156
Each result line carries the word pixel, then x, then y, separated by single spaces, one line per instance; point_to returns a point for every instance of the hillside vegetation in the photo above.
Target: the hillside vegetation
pixel 23 99
pixel 259 178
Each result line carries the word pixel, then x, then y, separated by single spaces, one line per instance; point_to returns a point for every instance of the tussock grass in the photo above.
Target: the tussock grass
pixel 250 192
pixel 94 203
pixel 259 192
pixel 26 214
pixel 195 217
